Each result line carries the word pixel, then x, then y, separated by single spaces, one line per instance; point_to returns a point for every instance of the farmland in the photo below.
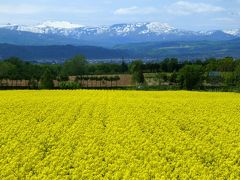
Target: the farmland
pixel 90 134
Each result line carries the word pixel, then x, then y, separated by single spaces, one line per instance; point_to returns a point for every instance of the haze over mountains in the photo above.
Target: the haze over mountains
pixel 120 36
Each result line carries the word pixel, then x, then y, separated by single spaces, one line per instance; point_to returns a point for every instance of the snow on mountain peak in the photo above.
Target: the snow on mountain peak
pixel 59 25
pixel 157 27
pixel 44 28
pixel 8 25
pixel 234 32
pixel 142 28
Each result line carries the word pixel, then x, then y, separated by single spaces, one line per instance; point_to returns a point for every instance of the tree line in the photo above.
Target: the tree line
pixel 184 74
pixel 190 75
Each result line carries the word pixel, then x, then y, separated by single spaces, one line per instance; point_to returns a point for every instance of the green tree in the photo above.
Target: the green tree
pixel 124 67
pixel 136 69
pixel 211 64
pixel 226 65
pixel 237 75
pixel 169 65
pixel 6 71
pixel 191 77
pixel 229 78
pixel 18 73
pixel 46 81
pixel 173 77
pixel 135 66
pixel 75 66
pixel 138 77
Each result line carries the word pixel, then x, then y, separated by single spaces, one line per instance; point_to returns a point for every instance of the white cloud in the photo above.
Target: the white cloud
pixel 25 9
pixel 186 8
pixel 135 10
pixel 20 9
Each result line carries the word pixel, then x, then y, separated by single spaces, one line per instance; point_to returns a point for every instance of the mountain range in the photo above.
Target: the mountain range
pixel 58 41
pixel 62 33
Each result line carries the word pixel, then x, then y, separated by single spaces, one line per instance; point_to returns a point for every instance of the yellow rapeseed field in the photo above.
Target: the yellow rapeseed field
pixel 90 134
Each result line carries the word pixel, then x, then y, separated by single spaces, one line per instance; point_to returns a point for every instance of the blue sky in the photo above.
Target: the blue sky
pixel 184 14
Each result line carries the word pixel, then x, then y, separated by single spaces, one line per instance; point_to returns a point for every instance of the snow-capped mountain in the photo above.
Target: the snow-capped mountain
pixel 234 32
pixel 44 28
pixel 62 32
pixel 66 28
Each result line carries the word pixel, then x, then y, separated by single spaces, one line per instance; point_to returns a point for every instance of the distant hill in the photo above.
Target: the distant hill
pixel 183 49
pixel 148 50
pixel 58 53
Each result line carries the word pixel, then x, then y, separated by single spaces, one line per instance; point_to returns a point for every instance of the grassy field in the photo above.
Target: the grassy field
pixel 90 134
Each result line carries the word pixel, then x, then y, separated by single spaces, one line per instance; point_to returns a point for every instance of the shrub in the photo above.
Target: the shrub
pixel 69 85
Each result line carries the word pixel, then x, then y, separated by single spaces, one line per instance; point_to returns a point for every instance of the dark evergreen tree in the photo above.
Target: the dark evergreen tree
pixel 46 81
pixel 136 69
pixel 191 77
pixel 124 67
